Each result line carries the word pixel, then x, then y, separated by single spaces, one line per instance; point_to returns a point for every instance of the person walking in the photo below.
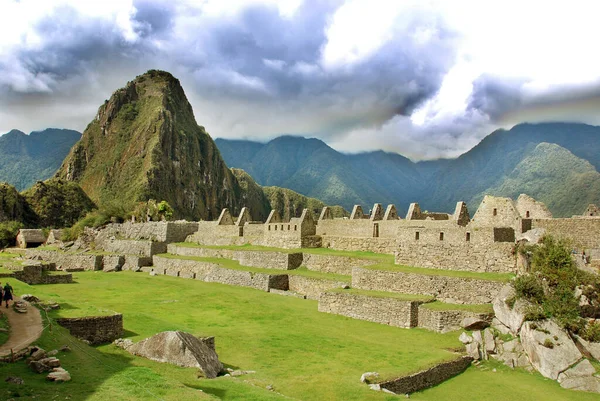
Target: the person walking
pixel 8 290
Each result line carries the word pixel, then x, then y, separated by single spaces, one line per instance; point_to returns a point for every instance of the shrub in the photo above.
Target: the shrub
pixel 591 332
pixel 548 343
pixel 528 286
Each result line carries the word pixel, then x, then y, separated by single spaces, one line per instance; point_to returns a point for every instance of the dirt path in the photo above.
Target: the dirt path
pixel 25 328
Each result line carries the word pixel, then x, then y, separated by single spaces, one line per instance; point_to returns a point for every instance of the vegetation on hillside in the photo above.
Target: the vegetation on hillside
pixel 57 203
pixel 8 233
pixel 553 175
pixel 26 159
pixel 291 204
pixel 13 206
pixel 552 288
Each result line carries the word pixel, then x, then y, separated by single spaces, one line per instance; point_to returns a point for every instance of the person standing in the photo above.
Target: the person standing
pixel 8 290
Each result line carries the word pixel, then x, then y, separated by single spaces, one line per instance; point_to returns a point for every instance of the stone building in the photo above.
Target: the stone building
pixel 30 238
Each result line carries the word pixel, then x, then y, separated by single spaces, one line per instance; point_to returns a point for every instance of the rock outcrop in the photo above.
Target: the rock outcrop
pixel 178 348
pixel 510 315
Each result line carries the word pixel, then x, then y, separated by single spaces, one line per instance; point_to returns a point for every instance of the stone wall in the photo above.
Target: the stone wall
pixel 378 245
pixel 444 321
pixel 214 273
pixel 390 311
pixel 145 248
pixel 312 287
pixel 584 232
pixel 199 252
pixel 161 231
pixel 94 329
pixel 333 264
pixel 529 208
pixel 446 289
pixel 427 378
pixel 496 257
pixel 112 263
pixel 135 263
pixel 269 260
pixel 37 274
pixel 67 261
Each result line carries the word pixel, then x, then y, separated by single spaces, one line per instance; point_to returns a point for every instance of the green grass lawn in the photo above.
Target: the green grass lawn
pixel 303 354
pixel 441 306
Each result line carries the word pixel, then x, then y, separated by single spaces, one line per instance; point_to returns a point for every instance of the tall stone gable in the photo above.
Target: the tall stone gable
pixel 357 213
pixel 377 212
pixel 391 213
pixel 326 214
pixel 529 208
pixel 225 218
pixel 461 214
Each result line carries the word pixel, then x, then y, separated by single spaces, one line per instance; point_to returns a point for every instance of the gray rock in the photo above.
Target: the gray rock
pixel 550 362
pixel 512 346
pixel 473 350
pixel 490 343
pixel 514 317
pixel 477 337
pixel 59 375
pixel 30 298
pixel 37 354
pixel 502 329
pixel 465 338
pixel 123 343
pixel 53 352
pixel 473 323
pixel 532 236
pixel 14 380
pixel 582 369
pixel 65 348
pixel 179 348
pixel 50 362
pixel 39 367
pixel 593 349
pixel 590 384
pixel 369 377
pixel 375 387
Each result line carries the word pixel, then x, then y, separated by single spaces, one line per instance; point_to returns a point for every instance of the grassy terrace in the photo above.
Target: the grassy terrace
pixel 441 306
pixel 315 251
pixel 387 261
pixel 235 265
pixel 383 294
pixel 4 325
pixel 305 355
pixel 503 277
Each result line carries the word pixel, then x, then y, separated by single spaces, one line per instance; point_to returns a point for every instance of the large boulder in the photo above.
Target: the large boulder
pixel 548 347
pixel 511 317
pixel 580 377
pixel 179 348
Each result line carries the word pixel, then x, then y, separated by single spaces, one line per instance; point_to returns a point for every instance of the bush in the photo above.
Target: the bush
pixel 553 261
pixel 152 211
pixel 591 332
pixel 528 286
pixel 8 233
pixel 548 343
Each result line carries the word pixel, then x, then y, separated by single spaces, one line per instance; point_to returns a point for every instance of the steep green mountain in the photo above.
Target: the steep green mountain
pixel 25 159
pixel 313 169
pixel 145 144
pixel 553 175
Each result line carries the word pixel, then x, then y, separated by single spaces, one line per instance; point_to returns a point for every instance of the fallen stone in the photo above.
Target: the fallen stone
pixel 375 387
pixel 50 362
pixel 473 323
pixel 30 298
pixel 582 369
pixel 369 377
pixel 514 317
pixel 59 375
pixel 14 380
pixel 465 338
pixel 236 373
pixel 39 367
pixel 37 354
pixel 123 343
pixel 550 362
pixel 53 353
pixel 65 348
pixel 181 349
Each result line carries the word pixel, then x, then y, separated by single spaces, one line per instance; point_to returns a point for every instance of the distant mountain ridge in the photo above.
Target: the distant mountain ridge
pixel 26 159
pixel 314 169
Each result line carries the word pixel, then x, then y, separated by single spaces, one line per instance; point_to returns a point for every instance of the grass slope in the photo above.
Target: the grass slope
pixel 303 354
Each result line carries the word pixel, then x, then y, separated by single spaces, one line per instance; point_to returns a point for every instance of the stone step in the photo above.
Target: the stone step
pixel 449 289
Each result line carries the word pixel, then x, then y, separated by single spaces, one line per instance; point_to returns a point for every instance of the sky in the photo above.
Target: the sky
pixel 425 79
